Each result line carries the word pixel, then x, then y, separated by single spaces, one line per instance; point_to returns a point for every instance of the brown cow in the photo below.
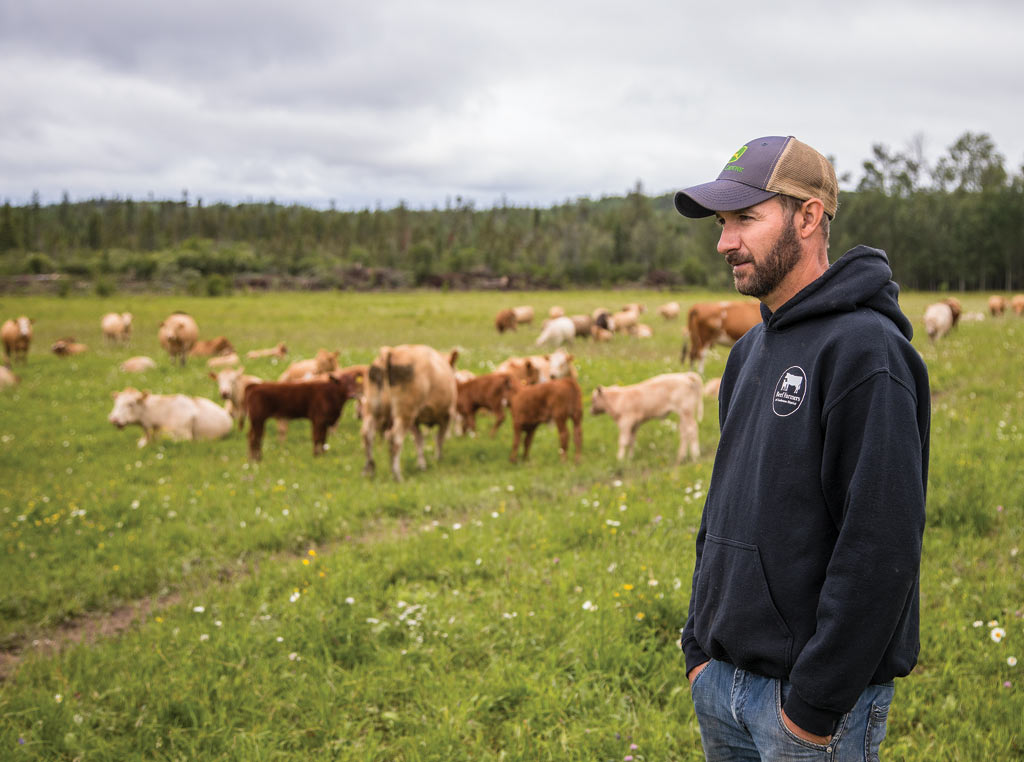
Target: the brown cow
pixel 996 305
pixel 409 386
pixel 177 334
pixel 319 401
pixel 505 321
pixel 1017 302
pixel 717 323
pixel 522 369
pixel 489 392
pixel 17 336
pixel 212 347
pixel 954 307
pixel 555 401
pixel 68 346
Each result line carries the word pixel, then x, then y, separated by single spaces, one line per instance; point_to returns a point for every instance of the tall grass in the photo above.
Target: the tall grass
pixel 478 610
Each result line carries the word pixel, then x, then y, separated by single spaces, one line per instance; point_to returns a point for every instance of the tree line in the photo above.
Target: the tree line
pixel 957 224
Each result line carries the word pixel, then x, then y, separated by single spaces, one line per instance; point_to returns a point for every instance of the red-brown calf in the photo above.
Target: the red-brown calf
pixel 490 392
pixel 319 401
pixel 556 401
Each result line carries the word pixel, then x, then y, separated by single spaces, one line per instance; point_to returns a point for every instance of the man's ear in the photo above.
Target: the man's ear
pixel 808 217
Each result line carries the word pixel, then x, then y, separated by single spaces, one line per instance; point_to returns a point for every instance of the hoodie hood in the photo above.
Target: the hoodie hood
pixel 843 288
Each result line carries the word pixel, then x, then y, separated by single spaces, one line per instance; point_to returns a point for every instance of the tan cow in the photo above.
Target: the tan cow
pixel 996 305
pixel 177 334
pixel 1017 302
pixel 522 369
pixel 138 364
pixel 624 321
pixel 223 361
pixel 409 386
pixel 669 310
pixel 601 334
pixel 643 331
pixel 279 351
pixel 711 387
pixel 711 323
pixel 117 327
pixel 17 336
pixel 583 324
pixel 630 406
pixel 231 385
pixel 68 346
pixel 524 314
pixel 212 347
pixel 556 311
pixel 938 320
pixel 7 378
pixel 177 415
pixel 324 362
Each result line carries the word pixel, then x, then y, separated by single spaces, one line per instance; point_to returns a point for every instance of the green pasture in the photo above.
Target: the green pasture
pixel 177 602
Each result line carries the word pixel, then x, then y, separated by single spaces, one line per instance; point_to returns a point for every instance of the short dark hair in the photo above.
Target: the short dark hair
pixel 791 205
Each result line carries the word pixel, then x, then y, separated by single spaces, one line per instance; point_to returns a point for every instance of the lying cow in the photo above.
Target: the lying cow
pixel 552 401
pixel 408 386
pixel 324 362
pixel 68 346
pixel 487 392
pixel 231 386
pixel 212 347
pixel 17 336
pixel 138 364
pixel 117 327
pixel 711 323
pixel 177 335
pixel 630 406
pixel 7 378
pixel 319 401
pixel 223 361
pixel 177 415
pixel 279 351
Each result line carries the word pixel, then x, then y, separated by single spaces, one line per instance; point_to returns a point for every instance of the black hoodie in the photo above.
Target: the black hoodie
pixel 809 549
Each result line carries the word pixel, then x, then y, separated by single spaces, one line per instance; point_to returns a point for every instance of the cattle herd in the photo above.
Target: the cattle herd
pixel 408 387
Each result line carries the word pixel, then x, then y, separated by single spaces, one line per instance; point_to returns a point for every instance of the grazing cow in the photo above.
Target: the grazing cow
pixel 623 321
pixel 1017 302
pixel 279 351
pixel 7 378
pixel 324 362
pixel 938 320
pixel 712 386
pixel 138 364
pixel 117 327
pixel 558 330
pixel 505 321
pixel 601 334
pixel 488 392
pixel 955 308
pixel 408 386
pixel 717 323
pixel 630 406
pixel 552 401
pixel 319 401
pixel 556 311
pixel 669 310
pixel 996 305
pixel 177 334
pixel 177 415
pixel 68 346
pixel 523 369
pixel 223 361
pixel 231 385
pixel 212 347
pixel 17 336
pixel 583 324
pixel 524 314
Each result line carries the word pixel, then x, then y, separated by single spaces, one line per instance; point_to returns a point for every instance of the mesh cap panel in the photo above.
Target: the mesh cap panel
pixel 804 173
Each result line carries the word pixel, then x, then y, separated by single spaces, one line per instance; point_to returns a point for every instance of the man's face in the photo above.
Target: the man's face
pixel 760 243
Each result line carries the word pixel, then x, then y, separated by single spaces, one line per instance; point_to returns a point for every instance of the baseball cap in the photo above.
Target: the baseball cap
pixel 763 168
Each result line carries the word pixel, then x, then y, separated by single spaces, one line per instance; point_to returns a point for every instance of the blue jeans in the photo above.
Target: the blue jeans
pixel 740 717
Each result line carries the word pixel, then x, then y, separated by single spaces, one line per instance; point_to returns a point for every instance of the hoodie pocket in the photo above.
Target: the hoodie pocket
pixel 736 618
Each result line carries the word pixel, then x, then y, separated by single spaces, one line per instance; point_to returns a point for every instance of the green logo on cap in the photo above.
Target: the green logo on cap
pixel 736 156
pixel 731 166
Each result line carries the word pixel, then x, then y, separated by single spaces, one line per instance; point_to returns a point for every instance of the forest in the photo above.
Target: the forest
pixel 955 224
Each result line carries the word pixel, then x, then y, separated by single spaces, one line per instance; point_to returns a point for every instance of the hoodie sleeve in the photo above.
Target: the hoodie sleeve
pixel 873 472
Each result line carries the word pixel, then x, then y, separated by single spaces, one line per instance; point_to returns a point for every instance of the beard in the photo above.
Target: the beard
pixel 780 261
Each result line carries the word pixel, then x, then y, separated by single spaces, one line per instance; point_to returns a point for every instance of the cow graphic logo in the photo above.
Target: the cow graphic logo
pixel 789 391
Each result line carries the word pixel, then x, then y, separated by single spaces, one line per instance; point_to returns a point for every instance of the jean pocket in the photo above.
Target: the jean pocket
pixel 704 670
pixel 878 721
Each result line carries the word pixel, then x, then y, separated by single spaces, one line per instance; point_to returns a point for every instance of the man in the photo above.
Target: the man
pixel 804 604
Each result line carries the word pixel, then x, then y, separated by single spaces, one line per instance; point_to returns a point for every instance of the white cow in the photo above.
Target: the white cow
pixel 560 330
pixel 177 415
pixel 629 406
pixel 792 383
pixel 231 385
pixel 938 320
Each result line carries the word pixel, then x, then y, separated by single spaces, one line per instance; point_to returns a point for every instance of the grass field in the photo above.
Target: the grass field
pixel 177 602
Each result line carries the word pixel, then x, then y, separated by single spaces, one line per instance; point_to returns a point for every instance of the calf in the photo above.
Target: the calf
pixel 669 310
pixel 117 327
pixel 223 361
pixel 17 336
pixel 231 385
pixel 583 324
pixel 177 415
pixel 7 378
pixel 630 406
pixel 522 369
pixel 138 364
pixel 68 346
pixel 212 347
pixel 1017 302
pixel 505 321
pixel 938 320
pixel 279 351
pixel 996 305
pixel 324 362
pixel 488 392
pixel 524 314
pixel 319 401
pixel 558 330
pixel 557 401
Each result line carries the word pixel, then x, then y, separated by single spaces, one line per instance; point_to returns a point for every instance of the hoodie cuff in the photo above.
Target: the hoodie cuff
pixel 821 722
pixel 695 656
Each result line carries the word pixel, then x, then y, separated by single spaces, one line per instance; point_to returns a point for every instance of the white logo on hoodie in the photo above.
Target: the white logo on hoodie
pixel 789 391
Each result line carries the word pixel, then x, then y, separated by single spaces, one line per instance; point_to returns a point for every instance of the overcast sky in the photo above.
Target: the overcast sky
pixel 384 101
